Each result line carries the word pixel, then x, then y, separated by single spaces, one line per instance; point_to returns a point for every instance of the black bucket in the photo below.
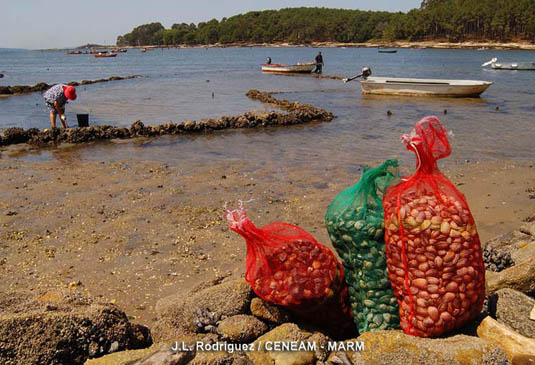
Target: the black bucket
pixel 83 120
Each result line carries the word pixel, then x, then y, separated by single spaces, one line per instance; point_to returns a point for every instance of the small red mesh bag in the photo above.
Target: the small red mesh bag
pixel 434 256
pixel 285 265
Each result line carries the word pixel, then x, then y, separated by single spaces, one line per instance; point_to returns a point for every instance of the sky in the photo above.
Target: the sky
pixel 38 24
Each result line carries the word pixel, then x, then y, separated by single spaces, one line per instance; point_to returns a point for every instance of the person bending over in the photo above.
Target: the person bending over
pixel 56 97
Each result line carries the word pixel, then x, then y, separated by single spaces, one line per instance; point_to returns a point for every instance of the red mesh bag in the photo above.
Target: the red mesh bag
pixel 285 265
pixel 434 257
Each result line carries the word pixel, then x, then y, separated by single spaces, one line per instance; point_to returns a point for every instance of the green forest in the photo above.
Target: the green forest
pixel 450 20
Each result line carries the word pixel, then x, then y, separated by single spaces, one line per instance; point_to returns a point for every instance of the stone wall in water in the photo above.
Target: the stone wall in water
pixel 43 86
pixel 296 113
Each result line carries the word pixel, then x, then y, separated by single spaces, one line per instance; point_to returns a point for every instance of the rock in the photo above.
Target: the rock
pixel 128 357
pixel 269 312
pixel 528 228
pixel 520 277
pixel 398 348
pixel 512 308
pixel 532 314
pixel 506 242
pixel 114 347
pixel 517 347
pixel 59 328
pixel 242 328
pixel 221 358
pixel 167 357
pixel 338 358
pixel 159 353
pixel 525 251
pixel 186 312
pixel 15 135
pixel 137 128
pixel 189 125
pixel 289 333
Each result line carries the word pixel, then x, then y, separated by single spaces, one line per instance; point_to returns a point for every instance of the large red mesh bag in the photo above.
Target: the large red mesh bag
pixel 434 256
pixel 285 265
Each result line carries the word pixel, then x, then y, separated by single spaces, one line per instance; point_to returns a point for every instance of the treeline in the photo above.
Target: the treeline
pixel 452 20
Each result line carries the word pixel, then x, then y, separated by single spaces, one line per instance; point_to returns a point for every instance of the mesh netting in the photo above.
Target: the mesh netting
pixel 355 223
pixel 433 250
pixel 285 265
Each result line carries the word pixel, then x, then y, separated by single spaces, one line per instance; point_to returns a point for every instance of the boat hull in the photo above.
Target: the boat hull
pixel 514 66
pixel 106 55
pixel 277 68
pixel 423 87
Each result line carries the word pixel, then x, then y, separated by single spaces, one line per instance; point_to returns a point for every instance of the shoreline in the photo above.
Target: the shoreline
pixel 476 44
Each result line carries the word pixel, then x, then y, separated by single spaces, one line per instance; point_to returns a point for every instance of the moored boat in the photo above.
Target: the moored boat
pixel 423 87
pixel 281 68
pixel 387 50
pixel 510 66
pixel 102 55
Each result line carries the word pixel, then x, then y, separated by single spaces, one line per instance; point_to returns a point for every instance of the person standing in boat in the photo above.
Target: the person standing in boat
pixel 268 61
pixel 56 97
pixel 319 63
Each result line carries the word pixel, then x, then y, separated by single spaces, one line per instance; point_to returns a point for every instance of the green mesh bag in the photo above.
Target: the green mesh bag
pixel 356 227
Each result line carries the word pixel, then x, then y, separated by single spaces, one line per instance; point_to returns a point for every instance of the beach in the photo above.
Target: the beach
pixel 132 232
pixel 121 225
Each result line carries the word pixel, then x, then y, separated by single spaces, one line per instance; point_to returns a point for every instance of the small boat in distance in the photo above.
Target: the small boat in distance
pixel 102 55
pixel 282 68
pixel 423 87
pixel 381 50
pixel 509 66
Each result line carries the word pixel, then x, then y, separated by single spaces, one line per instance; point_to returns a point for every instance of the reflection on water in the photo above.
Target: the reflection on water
pixel 180 83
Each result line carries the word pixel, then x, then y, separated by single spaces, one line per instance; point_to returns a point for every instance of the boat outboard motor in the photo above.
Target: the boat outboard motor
pixel 366 71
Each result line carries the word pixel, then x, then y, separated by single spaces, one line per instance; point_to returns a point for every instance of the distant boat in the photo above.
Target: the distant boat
pixel 102 55
pixel 281 68
pixel 423 87
pixel 387 50
pixel 510 66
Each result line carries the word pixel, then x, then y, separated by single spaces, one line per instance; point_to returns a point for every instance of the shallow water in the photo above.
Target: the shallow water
pixel 179 84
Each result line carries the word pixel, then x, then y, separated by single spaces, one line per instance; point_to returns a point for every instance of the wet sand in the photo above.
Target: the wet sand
pixel 132 232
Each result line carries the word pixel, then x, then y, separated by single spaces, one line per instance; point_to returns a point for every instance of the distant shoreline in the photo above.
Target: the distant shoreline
pixel 375 44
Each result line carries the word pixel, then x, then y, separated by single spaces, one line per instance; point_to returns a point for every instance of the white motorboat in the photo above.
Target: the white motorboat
pixel 509 66
pixel 423 87
pixel 281 68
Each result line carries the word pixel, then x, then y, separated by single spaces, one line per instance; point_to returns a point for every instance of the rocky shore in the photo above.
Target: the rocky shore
pixel 221 321
pixel 437 44
pixel 6 91
pixel 297 113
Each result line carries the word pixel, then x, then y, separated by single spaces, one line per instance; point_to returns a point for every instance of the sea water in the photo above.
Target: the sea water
pixel 192 84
